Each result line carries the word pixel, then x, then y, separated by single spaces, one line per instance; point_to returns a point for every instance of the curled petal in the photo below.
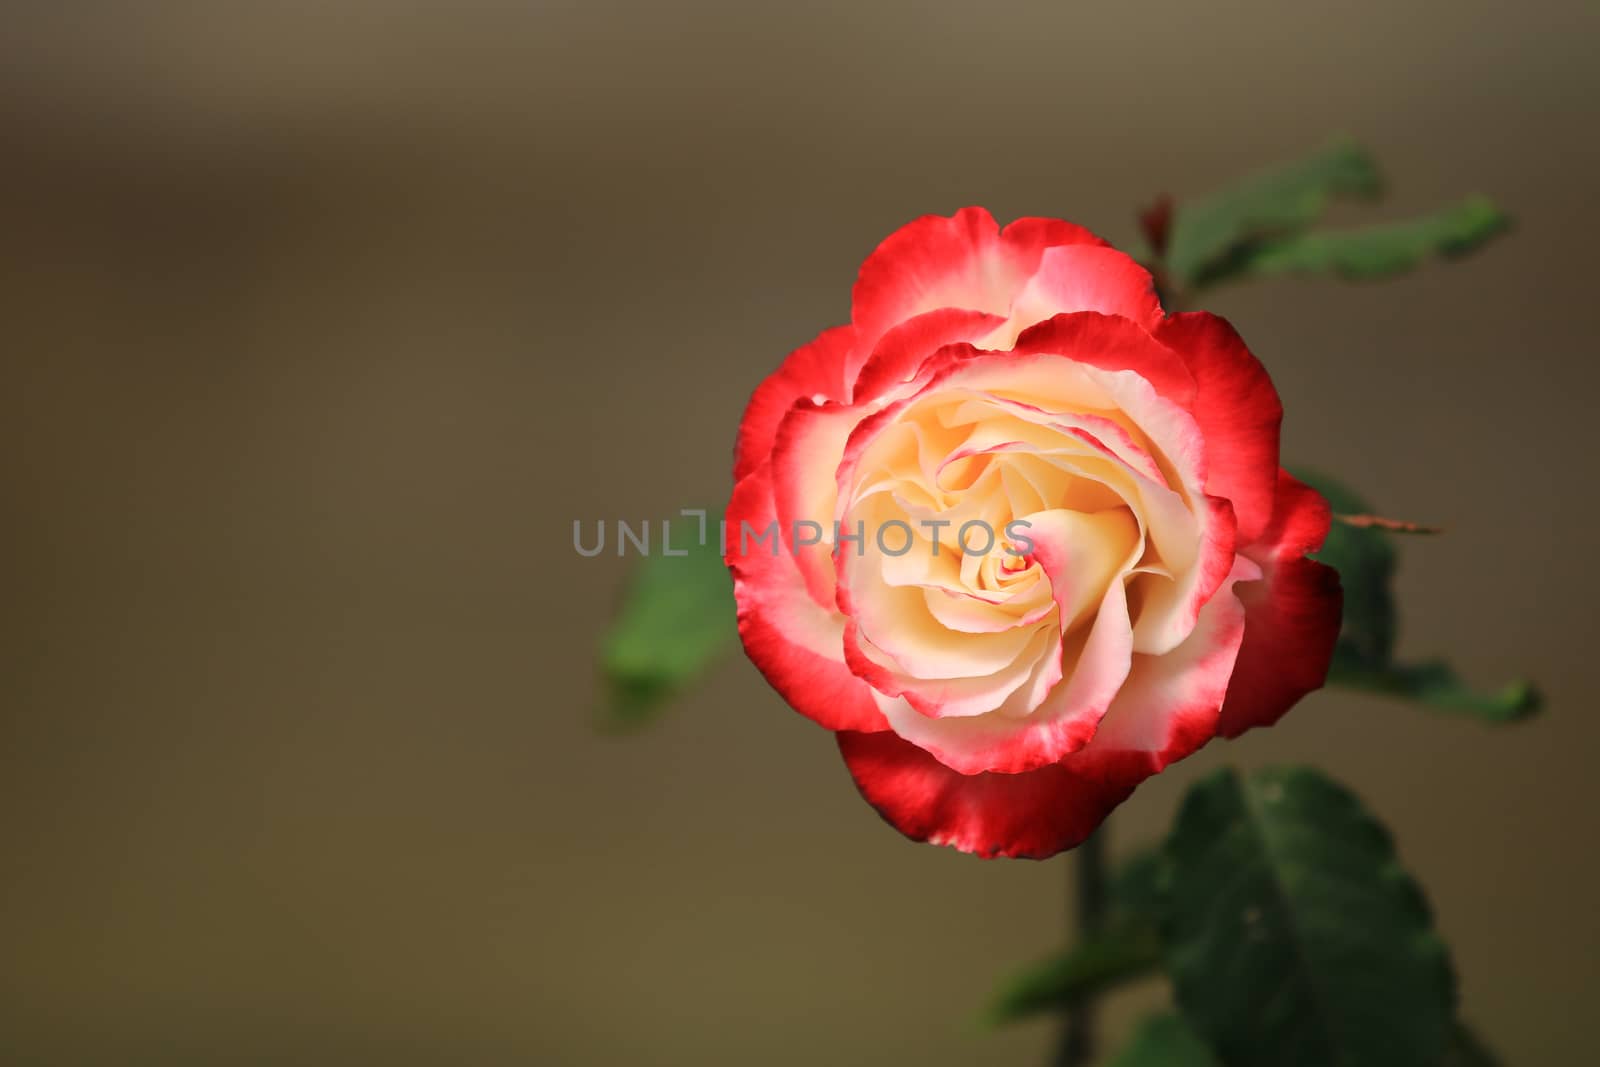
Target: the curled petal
pixel 1080 553
pixel 965 261
pixel 794 641
pixel 804 455
pixel 901 352
pixel 1082 278
pixel 1292 614
pixel 1112 343
pixel 1238 412
pixel 1032 815
pixel 812 372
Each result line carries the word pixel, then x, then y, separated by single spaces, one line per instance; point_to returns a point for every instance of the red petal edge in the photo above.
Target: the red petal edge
pixel 1291 615
pixel 964 260
pixel 796 643
pixel 1238 411
pixel 1032 815
pixel 812 370
pixel 1112 343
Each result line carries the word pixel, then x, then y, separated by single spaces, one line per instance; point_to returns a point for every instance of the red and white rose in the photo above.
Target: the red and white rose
pixel 1034 542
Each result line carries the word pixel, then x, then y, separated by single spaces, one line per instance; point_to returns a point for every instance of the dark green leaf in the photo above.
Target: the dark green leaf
pixel 1164 1041
pixel 1364 656
pixel 676 618
pixel 1126 948
pixel 1208 232
pixel 1294 936
pixel 1379 251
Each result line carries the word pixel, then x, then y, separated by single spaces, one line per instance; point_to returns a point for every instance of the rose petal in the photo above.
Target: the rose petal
pixel 1169 607
pixel 1032 815
pixel 1169 705
pixel 811 371
pixel 964 261
pixel 794 641
pixel 809 442
pixel 953 699
pixel 1081 278
pixel 1238 411
pixel 1112 343
pixel 1292 614
pixel 900 352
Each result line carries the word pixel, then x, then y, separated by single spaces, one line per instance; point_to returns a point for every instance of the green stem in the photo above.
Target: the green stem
pixel 1076 1048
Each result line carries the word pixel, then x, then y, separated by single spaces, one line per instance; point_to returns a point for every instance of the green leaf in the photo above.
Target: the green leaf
pixel 1100 962
pixel 1126 948
pixel 1363 658
pixel 1137 888
pixel 675 619
pixel 1164 1041
pixel 1208 232
pixel 1436 683
pixel 1379 251
pixel 1294 936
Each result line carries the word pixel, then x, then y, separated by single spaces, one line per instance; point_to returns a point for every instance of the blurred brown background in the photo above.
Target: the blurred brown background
pixel 323 322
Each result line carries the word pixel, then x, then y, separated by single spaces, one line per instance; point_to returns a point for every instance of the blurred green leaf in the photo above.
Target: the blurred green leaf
pixel 1294 936
pixel 1127 947
pixel 1137 886
pixel 1102 961
pixel 1208 233
pixel 1379 251
pixel 1436 683
pixel 676 617
pixel 1365 558
pixel 1164 1041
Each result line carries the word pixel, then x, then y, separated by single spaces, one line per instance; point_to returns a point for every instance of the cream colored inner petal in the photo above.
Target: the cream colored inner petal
pixel 966 621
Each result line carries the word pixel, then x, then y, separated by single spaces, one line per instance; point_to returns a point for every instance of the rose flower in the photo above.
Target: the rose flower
pixel 1021 538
